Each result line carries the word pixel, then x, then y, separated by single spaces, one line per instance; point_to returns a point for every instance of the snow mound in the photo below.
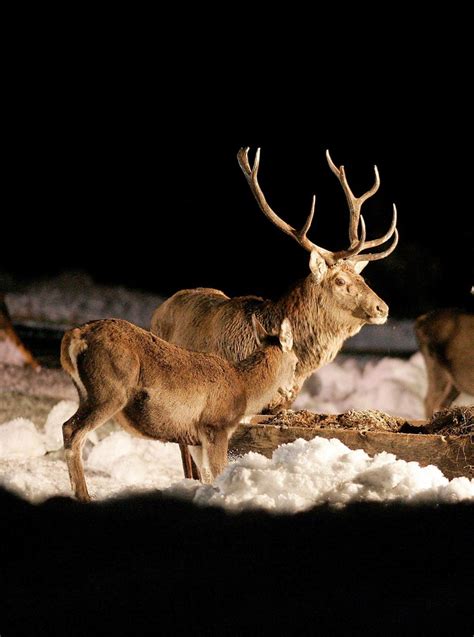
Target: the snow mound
pixel 133 461
pixel 19 438
pixel 299 475
pixel 53 428
pixel 304 474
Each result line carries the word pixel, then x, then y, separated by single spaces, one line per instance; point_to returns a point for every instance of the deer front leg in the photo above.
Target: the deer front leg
pixel 215 456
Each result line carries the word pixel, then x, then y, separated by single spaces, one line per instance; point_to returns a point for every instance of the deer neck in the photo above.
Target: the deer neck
pixel 264 373
pixel 319 330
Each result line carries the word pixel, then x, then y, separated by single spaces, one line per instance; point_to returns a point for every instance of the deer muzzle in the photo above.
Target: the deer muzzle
pixel 377 312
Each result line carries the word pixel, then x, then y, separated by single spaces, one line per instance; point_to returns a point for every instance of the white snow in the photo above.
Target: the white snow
pixel 304 473
pixel 298 476
pixel 53 438
pixel 19 438
pixel 392 385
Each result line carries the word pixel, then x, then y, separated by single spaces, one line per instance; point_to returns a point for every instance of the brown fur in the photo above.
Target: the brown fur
pixel 446 339
pixel 161 391
pixel 7 332
pixel 323 315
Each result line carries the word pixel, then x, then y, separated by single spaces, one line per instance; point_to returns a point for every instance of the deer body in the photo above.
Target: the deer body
pixel 325 309
pixel 446 339
pixel 329 306
pixel 164 392
pixel 323 315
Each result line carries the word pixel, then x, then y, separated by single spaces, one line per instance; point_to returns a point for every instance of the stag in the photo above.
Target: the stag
pixel 163 392
pixel 331 304
pixel 446 339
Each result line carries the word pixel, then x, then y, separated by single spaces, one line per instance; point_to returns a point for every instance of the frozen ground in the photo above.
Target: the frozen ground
pixel 300 475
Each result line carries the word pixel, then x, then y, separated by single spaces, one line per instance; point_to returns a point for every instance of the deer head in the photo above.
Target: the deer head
pixel 336 273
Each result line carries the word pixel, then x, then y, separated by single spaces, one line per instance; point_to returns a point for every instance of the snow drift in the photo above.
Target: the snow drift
pixel 299 476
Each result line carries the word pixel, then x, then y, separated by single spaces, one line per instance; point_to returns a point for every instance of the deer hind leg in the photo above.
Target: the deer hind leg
pixel 190 467
pixel 441 389
pixel 75 430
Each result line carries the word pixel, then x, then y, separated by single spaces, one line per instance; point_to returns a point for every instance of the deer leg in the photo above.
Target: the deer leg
pixel 196 458
pixel 205 468
pixel 189 466
pixel 441 390
pixel 75 431
pixel 449 397
pixel 217 453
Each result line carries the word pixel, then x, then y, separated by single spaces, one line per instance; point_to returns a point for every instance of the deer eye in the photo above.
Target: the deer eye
pixel 340 281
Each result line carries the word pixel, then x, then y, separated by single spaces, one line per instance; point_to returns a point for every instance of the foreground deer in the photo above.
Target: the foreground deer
pixel 163 392
pixel 331 304
pixel 446 339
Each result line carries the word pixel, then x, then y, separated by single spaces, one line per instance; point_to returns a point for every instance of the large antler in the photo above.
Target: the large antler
pixel 251 174
pixel 355 205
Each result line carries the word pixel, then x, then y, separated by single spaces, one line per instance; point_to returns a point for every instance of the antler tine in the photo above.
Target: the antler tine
pixel 356 248
pixel 373 243
pixel 354 203
pixel 376 242
pixel 251 174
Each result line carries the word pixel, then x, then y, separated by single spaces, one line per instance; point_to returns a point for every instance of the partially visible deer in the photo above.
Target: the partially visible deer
pixel 160 391
pixel 446 339
pixel 331 304
pixel 9 335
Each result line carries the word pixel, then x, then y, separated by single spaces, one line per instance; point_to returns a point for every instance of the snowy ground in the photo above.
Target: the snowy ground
pixel 299 476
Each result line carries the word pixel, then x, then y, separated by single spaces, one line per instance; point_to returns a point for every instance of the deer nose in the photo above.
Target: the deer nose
pixel 381 308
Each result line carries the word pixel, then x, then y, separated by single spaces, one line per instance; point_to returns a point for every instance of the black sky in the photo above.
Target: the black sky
pixel 130 174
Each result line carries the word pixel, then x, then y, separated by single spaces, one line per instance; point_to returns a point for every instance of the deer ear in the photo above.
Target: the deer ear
pixel 359 266
pixel 317 265
pixel 286 335
pixel 259 331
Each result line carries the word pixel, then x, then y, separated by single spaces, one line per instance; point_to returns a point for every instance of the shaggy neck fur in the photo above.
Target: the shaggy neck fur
pixel 319 326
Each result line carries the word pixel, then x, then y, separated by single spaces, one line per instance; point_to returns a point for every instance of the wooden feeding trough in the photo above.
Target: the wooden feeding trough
pixel 447 440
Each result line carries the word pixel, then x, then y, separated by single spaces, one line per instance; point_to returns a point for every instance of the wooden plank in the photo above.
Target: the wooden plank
pixel 454 455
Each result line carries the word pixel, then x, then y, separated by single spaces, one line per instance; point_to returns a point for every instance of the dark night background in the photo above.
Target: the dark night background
pixel 128 170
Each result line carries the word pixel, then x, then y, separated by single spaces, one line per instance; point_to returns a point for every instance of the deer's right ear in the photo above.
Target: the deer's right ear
pixel 286 335
pixel 259 331
pixel 317 265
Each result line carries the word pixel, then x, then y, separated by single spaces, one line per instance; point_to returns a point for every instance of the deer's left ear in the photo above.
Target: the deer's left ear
pixel 359 266
pixel 286 335
pixel 317 265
